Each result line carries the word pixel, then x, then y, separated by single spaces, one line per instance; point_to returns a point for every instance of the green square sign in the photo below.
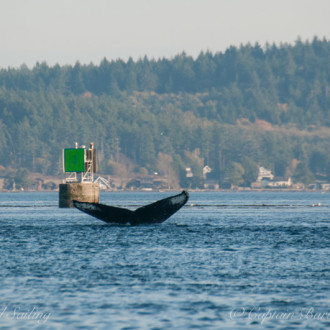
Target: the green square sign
pixel 74 160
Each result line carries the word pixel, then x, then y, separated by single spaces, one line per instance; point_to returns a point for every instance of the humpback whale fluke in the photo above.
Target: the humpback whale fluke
pixel 152 213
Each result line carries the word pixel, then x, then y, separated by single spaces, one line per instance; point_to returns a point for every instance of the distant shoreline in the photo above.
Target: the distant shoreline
pixel 247 190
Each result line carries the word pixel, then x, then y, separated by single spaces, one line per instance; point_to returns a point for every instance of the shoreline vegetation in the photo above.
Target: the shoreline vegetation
pixel 214 119
pixel 36 182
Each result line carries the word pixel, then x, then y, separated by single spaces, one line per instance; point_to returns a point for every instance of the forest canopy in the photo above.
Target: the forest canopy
pixel 232 111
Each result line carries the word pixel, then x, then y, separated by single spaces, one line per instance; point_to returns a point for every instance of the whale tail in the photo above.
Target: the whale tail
pixel 156 212
pixel 161 210
pixel 105 212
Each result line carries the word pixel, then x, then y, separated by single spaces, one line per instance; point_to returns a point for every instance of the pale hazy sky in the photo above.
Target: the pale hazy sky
pixel 66 31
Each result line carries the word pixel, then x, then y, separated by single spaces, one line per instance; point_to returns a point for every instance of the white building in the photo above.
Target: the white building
pixel 280 183
pixel 264 174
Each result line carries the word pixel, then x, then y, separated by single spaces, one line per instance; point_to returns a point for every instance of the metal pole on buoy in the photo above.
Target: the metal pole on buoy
pixel 79 166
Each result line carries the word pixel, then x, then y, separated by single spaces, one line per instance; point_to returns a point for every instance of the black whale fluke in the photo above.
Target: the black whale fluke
pixel 152 213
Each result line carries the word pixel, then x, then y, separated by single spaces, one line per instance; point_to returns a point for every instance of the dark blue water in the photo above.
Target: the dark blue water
pixel 226 260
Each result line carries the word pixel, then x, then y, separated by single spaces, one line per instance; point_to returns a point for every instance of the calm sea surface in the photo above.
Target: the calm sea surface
pixel 227 260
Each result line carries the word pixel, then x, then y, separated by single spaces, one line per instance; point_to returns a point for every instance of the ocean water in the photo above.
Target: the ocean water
pixel 227 260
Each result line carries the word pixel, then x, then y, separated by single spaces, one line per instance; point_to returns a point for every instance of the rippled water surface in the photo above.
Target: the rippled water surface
pixel 226 260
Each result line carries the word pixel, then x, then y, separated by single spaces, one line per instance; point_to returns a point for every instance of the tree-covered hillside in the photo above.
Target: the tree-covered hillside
pixel 232 111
